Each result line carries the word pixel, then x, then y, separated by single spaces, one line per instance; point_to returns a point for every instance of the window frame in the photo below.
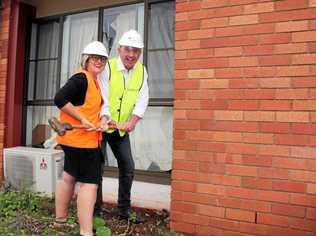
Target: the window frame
pixel 60 19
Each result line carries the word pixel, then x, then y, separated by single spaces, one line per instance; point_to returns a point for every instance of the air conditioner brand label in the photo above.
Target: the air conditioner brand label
pixel 43 164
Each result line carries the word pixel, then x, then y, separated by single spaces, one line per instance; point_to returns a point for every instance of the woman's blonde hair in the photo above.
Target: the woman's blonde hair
pixel 84 60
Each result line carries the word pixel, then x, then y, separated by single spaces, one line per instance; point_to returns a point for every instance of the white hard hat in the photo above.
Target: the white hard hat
pixel 95 48
pixel 131 38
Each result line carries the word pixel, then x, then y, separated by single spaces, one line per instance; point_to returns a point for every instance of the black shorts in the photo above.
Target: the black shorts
pixel 84 164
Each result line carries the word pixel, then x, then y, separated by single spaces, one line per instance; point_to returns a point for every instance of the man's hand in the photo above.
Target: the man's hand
pixel 130 125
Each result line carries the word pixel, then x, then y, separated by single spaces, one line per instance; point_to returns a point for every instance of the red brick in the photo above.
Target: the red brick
pixel 303 200
pixel 243 61
pixel 190 44
pixel 230 126
pixel 214 3
pixel 182 227
pixel 303 224
pixel 209 230
pixel 273 196
pixel 230 51
pixel 275 38
pixel 200 115
pixel 183 16
pixel 188 6
pixel 183 186
pixel 291 26
pixel 290 139
pixel 311 213
pixel 259 50
pixel 211 189
pixel 244 83
pixel 213 83
pixel 240 215
pixel 211 211
pixel 183 25
pixel 304 36
pixel 273 173
pixel 228 11
pixel 224 223
pixel 216 104
pixel 288 210
pixel 258 29
pixel 228 115
pixel 290 48
pixel 259 94
pixel 290 5
pixel 275 105
pixel 303 82
pixel 259 72
pixel 275 60
pixel 259 116
pixel 230 41
pixel 303 152
pixel 303 14
pixel 257 160
pixel 256 183
pixel 288 163
pixel 200 14
pixel 269 219
pixel 241 170
pixel 311 188
pixel 200 53
pixel 288 186
pixel 201 34
pixel 241 148
pixel 304 129
pixel 243 105
pixel 229 31
pixel 227 136
pixel 243 20
pixel 292 94
pixel 259 8
pixel 214 22
pixel 241 193
pixel 228 73
pixel 258 138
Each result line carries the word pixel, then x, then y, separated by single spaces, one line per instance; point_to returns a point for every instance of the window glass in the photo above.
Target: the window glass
pixel 78 30
pixel 117 20
pixel 151 141
pixel 46 79
pixel 37 129
pixel 161 49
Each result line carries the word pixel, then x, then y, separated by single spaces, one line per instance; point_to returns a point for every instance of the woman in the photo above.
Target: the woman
pixel 80 101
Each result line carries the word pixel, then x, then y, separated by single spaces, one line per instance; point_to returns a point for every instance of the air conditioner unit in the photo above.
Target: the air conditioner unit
pixel 34 168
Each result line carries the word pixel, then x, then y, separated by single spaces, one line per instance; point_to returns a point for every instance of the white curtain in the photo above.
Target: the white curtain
pixel 79 30
pixel 120 19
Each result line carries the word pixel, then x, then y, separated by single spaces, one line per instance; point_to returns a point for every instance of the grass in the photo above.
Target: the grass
pixel 24 213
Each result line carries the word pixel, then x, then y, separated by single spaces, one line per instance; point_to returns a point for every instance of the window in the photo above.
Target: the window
pixel 56 45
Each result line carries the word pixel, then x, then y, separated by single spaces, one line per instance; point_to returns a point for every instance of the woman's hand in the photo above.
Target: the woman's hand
pixel 87 124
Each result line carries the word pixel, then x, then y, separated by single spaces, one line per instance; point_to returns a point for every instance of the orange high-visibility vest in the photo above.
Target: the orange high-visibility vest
pixel 90 109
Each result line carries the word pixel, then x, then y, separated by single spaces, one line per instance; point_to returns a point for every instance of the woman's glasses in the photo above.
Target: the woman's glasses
pixel 96 58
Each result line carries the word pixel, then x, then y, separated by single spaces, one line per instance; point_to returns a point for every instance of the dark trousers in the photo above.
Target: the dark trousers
pixel 121 149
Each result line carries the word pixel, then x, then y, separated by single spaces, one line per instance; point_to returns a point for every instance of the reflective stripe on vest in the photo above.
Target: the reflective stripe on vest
pixel 123 96
pixel 90 109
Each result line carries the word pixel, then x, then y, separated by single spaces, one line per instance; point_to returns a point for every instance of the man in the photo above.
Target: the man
pixel 124 83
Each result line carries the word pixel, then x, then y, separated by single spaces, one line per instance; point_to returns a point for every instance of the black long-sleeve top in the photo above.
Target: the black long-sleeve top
pixel 74 91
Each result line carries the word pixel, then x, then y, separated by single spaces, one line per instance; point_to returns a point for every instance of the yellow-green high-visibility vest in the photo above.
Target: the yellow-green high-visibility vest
pixel 122 97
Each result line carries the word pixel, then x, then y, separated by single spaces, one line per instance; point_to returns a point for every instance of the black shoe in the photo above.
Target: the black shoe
pixel 130 216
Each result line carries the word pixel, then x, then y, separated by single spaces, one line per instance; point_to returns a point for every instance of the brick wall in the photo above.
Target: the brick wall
pixel 4 36
pixel 244 159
